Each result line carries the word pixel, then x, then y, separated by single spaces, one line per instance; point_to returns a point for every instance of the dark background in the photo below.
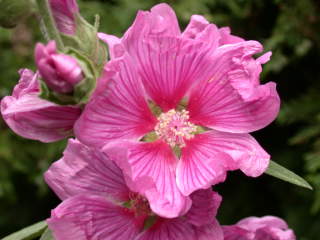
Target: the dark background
pixel 290 29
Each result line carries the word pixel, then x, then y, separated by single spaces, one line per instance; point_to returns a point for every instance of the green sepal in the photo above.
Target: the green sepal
pixel 149 137
pixel 154 108
pixel 276 170
pixel 48 94
pixel 84 89
pixel 28 233
pixel 149 222
pixel 86 41
pixel 177 151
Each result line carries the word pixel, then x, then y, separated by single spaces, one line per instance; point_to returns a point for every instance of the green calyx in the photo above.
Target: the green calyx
pixel 87 43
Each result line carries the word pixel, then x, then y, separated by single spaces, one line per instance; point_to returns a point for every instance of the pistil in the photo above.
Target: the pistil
pixel 174 127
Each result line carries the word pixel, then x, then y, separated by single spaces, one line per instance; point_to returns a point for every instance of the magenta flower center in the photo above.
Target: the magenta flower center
pixel 174 127
pixel 139 205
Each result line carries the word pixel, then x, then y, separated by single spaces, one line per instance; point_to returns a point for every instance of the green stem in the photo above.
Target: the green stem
pixel 51 31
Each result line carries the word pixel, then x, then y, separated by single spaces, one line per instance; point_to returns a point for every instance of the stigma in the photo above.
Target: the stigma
pixel 174 127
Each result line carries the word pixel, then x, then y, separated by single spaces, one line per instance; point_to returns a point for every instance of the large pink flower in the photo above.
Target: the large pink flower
pixel 177 108
pixel 32 117
pixel 254 228
pixel 100 204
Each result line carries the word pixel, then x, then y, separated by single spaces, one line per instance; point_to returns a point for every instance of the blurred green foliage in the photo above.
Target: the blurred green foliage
pixel 289 28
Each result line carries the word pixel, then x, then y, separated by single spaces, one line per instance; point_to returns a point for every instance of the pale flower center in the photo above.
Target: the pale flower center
pixel 174 127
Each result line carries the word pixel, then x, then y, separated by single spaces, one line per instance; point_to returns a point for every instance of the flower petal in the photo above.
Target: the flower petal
pixel 227 37
pixel 168 66
pixel 253 223
pixel 32 117
pixel 208 156
pixel 173 229
pixel 116 49
pixel 235 233
pixel 92 217
pixel 212 231
pixel 205 204
pixel 63 12
pixel 168 63
pixel 151 167
pixel 84 170
pixel 231 99
pixel 200 29
pixel 160 21
pixel 245 151
pixel 119 111
pixel 37 119
pixel 200 166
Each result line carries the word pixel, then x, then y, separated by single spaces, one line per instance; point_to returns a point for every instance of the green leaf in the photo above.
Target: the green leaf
pixel 284 174
pixel 47 235
pixel 28 233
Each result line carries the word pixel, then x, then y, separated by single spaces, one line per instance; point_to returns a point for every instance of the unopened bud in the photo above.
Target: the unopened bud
pixel 64 12
pixel 59 71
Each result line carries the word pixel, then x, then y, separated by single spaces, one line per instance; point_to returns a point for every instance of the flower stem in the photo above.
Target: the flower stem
pixel 50 30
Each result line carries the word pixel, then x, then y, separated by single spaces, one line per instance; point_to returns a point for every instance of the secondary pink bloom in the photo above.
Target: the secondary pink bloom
pixel 64 12
pixel 101 203
pixel 32 117
pixel 59 71
pixel 178 107
pixel 254 228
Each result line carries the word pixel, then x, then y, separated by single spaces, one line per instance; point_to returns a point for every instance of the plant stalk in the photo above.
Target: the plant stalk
pixel 50 30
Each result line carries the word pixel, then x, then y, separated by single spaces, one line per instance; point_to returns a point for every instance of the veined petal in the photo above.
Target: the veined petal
pixel 212 231
pixel 92 217
pixel 227 37
pixel 208 156
pixel 231 99
pixel 28 83
pixel 151 167
pixel 200 166
pixel 120 111
pixel 37 119
pixel 200 29
pixel 235 233
pixel 116 48
pixel 271 233
pixel 253 223
pixel 160 21
pixel 84 170
pixel 264 228
pixel 63 12
pixel 165 229
pixel 205 204
pixel 168 66
pixel 245 151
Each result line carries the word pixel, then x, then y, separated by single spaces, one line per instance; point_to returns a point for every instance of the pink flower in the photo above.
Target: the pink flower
pixel 64 12
pixel 264 228
pixel 98 203
pixel 59 71
pixel 177 108
pixel 32 117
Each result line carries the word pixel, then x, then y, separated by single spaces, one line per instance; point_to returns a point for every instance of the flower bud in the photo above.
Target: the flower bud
pixel 60 72
pixel 64 12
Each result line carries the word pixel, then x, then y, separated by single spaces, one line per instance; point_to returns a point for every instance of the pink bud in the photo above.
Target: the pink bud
pixel 64 12
pixel 59 71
